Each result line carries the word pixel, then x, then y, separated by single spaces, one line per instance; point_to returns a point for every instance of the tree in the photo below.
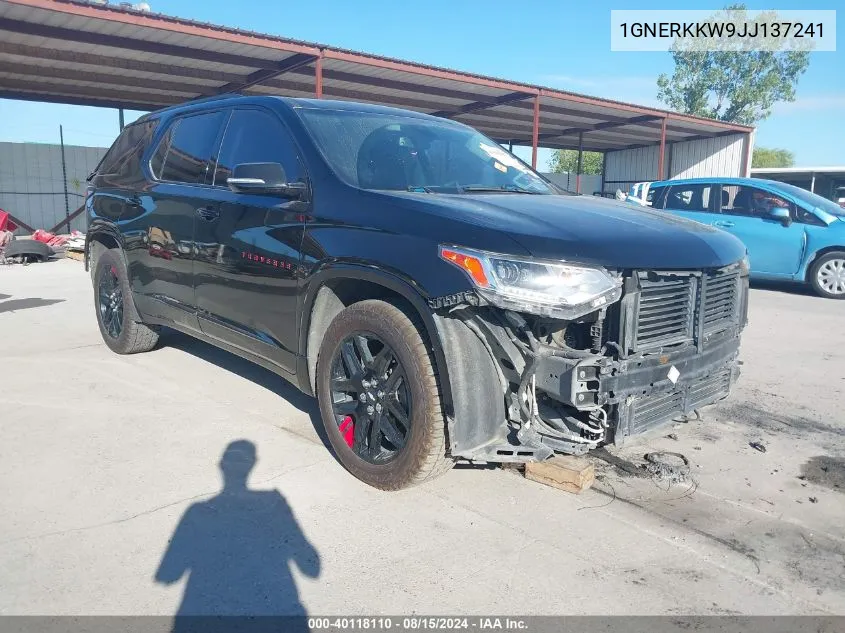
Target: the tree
pixel 733 85
pixel 566 160
pixel 772 157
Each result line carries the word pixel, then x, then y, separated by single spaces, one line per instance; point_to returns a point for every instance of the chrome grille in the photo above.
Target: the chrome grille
pixel 665 312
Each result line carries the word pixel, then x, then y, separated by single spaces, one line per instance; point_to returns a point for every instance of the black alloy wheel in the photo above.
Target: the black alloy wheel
pixel 370 398
pixel 110 301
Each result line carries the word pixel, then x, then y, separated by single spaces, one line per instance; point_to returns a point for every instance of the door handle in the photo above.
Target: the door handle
pixel 723 224
pixel 208 213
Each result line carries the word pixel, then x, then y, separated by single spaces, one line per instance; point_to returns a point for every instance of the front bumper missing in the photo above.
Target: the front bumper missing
pixel 614 397
pixel 643 392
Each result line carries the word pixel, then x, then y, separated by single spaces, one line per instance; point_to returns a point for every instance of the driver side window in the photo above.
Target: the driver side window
pixel 752 202
pixel 256 136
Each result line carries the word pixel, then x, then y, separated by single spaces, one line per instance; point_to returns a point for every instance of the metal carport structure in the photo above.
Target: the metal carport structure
pixel 89 53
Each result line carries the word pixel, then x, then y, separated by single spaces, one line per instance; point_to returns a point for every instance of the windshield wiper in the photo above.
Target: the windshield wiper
pixel 502 189
pixel 420 189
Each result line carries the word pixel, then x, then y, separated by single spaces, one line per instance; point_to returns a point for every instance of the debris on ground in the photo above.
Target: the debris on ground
pixel 26 252
pixel 814 499
pixel 696 448
pixel 672 468
pixel 758 446
pixel 673 436
pixel 688 417
pixel 572 474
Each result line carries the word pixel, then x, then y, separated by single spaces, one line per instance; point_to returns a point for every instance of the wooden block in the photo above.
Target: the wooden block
pixel 572 474
pixel 77 255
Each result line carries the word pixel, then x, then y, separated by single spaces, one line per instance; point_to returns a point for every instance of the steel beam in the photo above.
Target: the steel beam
pixel 261 76
pixel 661 155
pixel 107 79
pixel 31 54
pixel 104 98
pixel 20 27
pixel 318 78
pixel 606 125
pixel 482 105
pixel 397 84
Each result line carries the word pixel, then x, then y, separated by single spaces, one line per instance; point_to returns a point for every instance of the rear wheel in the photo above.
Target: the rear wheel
pixel 827 276
pixel 115 314
pixel 379 397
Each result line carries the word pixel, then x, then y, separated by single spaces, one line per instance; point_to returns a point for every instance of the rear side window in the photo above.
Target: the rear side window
pixel 255 136
pixel 690 198
pixel 124 156
pixel 185 150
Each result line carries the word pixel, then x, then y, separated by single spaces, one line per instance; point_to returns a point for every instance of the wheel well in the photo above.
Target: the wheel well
pixel 821 253
pixel 334 296
pixel 96 244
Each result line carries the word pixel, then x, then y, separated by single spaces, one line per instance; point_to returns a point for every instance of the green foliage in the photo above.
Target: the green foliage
pixel 566 160
pixel 732 84
pixel 772 157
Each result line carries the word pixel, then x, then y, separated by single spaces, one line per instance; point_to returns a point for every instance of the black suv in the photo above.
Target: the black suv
pixel 440 298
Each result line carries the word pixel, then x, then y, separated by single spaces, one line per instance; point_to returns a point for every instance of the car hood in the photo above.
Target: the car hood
pixel 591 230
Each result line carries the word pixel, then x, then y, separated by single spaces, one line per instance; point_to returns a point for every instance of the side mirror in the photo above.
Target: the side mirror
pixel 269 178
pixel 782 215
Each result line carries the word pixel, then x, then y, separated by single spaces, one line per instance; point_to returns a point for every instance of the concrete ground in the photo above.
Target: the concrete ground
pixel 101 457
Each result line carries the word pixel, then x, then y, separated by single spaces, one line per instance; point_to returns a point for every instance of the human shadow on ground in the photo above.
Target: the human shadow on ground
pixel 237 550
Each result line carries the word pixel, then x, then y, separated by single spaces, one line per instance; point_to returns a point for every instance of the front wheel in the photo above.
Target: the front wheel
pixel 379 397
pixel 827 276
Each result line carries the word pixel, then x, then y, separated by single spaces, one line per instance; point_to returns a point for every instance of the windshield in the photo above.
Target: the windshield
pixel 813 200
pixel 394 152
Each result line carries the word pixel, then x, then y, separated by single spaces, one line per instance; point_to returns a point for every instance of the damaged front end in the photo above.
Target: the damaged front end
pixel 525 385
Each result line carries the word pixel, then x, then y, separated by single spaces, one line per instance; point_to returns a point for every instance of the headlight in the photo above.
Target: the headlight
pixel 554 289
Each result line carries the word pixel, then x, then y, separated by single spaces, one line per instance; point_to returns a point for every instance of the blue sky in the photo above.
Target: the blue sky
pixel 559 44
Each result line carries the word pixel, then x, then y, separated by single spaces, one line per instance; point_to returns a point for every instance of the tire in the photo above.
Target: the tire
pixel 423 455
pixel 827 275
pixel 120 327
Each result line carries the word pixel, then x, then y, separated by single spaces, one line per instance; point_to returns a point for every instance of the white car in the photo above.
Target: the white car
pixel 640 193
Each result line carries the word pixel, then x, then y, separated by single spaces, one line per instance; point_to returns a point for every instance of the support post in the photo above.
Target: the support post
pixel 120 118
pixel 535 133
pixel 510 146
pixel 318 77
pixel 813 182
pixel 603 163
pixel 580 165
pixel 660 158
pixel 64 177
pixel 748 157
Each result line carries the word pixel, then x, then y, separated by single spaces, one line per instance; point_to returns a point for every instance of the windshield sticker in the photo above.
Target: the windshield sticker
pixel 502 156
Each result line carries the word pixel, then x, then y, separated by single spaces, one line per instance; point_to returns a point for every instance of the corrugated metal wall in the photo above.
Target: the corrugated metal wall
pixel 31 185
pixel 589 183
pixel 719 156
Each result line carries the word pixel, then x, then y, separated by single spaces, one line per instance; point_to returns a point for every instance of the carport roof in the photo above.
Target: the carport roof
pixel 87 53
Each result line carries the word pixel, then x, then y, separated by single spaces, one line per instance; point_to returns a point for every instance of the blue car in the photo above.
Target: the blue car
pixel 790 233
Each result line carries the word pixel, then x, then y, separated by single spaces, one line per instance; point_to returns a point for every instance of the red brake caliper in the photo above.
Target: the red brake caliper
pixel 347 430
